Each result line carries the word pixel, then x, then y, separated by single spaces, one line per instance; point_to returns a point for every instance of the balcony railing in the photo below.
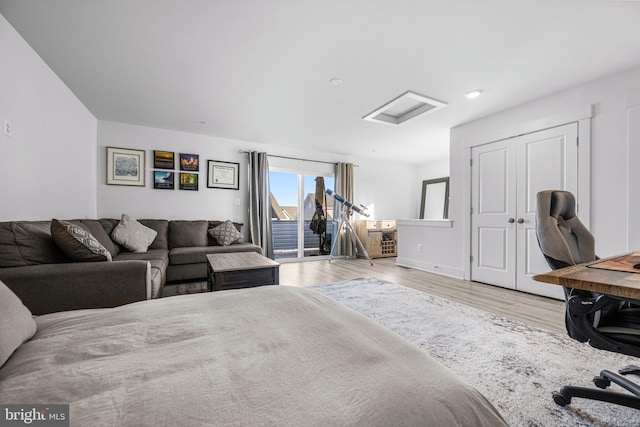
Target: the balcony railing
pixel 285 239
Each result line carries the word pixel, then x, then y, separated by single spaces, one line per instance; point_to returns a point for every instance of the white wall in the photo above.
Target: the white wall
pixel 434 170
pixel 47 166
pixel 389 187
pixel 615 151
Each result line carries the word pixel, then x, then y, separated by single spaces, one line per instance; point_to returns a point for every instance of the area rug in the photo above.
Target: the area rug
pixel 516 366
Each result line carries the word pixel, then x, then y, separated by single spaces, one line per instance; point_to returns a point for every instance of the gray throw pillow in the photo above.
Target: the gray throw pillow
pixel 77 243
pixel 225 233
pixel 16 323
pixel 133 235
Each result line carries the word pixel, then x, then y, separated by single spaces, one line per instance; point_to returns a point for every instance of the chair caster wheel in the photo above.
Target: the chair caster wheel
pixel 601 382
pixel 560 400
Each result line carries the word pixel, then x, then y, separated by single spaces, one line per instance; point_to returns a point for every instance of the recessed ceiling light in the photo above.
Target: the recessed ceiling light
pixel 202 122
pixel 473 93
pixel 405 107
pixel 335 81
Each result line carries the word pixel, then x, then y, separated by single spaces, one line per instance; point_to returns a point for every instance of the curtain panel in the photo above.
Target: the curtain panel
pixel 344 187
pixel 260 203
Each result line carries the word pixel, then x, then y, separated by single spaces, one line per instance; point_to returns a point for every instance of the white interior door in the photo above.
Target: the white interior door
pixel 546 160
pixel 506 177
pixel 493 239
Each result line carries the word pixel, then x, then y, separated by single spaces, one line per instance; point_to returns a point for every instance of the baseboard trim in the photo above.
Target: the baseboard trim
pixel 457 273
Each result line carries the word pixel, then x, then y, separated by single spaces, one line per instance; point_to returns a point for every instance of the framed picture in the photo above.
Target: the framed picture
pixel 163 159
pixel 125 166
pixel 163 180
pixel 223 175
pixel 189 181
pixel 189 162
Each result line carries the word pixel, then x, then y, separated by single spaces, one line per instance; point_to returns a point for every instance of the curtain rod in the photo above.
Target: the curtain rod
pixel 296 158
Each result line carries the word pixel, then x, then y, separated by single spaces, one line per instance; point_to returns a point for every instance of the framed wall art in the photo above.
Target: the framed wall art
pixel 189 162
pixel 125 166
pixel 223 175
pixel 163 180
pixel 189 181
pixel 163 159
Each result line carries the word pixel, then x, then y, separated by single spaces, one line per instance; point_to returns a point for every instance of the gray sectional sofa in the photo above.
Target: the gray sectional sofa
pixel 47 280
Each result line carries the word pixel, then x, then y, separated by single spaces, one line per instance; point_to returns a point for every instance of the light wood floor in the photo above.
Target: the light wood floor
pixel 531 309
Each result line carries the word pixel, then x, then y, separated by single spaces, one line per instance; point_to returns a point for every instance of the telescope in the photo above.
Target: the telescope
pixel 360 209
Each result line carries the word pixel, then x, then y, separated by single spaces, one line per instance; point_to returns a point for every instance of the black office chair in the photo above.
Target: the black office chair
pixel 605 322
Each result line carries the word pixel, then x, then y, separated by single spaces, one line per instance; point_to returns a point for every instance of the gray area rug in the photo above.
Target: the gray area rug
pixel 516 366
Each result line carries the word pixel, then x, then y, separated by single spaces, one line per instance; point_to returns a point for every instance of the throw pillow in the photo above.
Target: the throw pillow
pixel 77 243
pixel 16 324
pixel 133 235
pixel 225 233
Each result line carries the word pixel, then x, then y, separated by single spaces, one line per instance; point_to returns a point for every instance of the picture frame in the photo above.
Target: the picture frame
pixel 163 159
pixel 435 199
pixel 189 162
pixel 163 180
pixel 125 166
pixel 223 175
pixel 188 181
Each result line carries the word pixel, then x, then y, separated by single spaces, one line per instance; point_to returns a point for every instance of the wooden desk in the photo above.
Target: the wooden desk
pixel 624 284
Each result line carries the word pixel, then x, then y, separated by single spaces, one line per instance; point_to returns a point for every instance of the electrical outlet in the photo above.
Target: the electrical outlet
pixel 7 127
pixel 237 202
pixel 419 247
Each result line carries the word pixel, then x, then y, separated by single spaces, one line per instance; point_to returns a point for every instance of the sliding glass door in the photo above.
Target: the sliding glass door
pixel 301 213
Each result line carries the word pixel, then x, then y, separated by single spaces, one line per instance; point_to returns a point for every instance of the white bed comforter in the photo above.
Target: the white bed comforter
pixel 265 356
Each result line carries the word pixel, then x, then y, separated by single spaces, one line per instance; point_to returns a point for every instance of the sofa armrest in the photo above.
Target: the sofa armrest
pixel 48 288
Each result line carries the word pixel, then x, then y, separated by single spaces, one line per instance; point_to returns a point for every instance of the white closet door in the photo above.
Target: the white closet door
pixel 493 237
pixel 506 176
pixel 547 160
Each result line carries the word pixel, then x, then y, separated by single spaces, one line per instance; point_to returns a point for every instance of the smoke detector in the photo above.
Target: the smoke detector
pixel 404 107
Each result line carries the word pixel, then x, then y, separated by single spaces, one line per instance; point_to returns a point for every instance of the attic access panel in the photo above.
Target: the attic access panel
pixel 404 107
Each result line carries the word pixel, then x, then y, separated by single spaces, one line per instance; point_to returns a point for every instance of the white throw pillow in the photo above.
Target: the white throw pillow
pixel 133 235
pixel 225 233
pixel 16 323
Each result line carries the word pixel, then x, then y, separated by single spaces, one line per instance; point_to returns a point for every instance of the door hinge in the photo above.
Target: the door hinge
pixel 470 162
pixel 577 140
pixel 471 210
pixel 471 259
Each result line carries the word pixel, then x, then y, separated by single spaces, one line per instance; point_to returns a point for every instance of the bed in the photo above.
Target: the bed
pixel 276 355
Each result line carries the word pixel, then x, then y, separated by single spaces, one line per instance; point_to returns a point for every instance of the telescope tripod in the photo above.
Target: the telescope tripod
pixel 344 221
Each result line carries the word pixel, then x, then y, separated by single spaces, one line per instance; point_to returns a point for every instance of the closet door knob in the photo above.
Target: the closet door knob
pixel 511 220
pixel 520 220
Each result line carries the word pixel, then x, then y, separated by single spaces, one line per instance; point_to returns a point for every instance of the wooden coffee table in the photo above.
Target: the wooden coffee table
pixel 240 270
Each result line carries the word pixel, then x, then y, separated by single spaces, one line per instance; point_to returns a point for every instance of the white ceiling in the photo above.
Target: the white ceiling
pixel 259 70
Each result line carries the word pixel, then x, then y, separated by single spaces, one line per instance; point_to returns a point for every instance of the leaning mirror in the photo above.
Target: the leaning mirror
pixel 435 199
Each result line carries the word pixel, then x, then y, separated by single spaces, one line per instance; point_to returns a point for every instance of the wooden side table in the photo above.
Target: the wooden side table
pixel 240 270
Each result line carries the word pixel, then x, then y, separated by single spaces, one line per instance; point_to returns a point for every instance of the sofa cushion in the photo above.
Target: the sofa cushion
pixel 16 323
pixel 28 243
pixel 9 253
pixel 77 243
pixel 184 234
pixel 133 235
pixel 161 226
pixel 225 233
